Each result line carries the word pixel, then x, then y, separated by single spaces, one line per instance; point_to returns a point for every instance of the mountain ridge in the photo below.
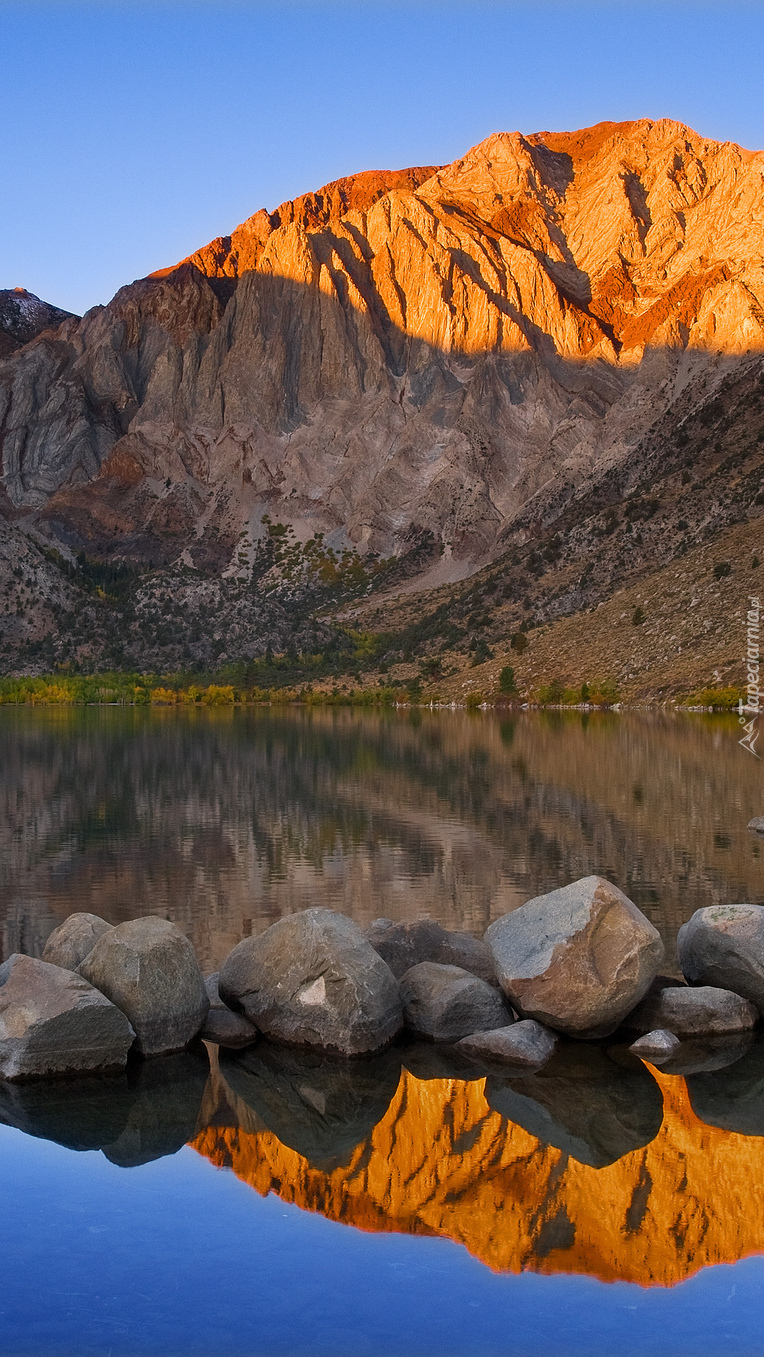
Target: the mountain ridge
pixel 436 364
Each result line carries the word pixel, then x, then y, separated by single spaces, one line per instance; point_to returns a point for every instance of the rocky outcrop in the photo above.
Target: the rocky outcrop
pixel 53 1022
pixel 525 1045
pixel 74 939
pixel 148 968
pixel 23 316
pixel 446 353
pixel 446 1003
pixel 757 824
pixel 723 945
pixel 578 959
pixel 313 980
pixel 403 945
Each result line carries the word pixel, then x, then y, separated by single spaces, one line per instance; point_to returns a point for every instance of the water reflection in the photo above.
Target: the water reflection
pixel 596 1166
pixel 628 1182
pixel 226 820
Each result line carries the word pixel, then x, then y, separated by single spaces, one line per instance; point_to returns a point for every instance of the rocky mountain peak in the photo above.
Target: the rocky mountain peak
pixel 23 316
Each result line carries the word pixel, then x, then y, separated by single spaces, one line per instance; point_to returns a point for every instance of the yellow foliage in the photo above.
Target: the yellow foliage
pixel 218 696
pixel 163 697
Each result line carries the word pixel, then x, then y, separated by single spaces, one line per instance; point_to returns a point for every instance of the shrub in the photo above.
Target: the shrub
pixel 637 617
pixel 507 683
pixel 720 699
pixel 475 699
pixel 722 569
pixel 519 642
pixel 218 696
pixel 163 697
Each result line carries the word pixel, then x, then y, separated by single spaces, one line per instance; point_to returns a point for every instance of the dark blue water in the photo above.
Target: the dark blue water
pixel 179 1259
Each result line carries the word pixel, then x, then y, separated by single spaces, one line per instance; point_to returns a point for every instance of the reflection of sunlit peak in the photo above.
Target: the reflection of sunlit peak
pixel 441 1162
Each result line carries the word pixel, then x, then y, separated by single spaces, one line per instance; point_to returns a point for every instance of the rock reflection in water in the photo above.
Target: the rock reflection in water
pixel 583 1103
pixel 321 1107
pixel 732 1098
pixel 166 1095
pixel 442 1161
pixel 145 1114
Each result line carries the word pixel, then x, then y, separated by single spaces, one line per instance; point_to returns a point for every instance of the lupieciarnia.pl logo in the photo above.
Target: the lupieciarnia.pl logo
pixel 752 693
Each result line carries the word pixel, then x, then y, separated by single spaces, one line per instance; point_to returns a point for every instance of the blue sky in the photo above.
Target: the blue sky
pixel 132 133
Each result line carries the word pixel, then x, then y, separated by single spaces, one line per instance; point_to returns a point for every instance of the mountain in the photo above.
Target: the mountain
pixel 444 369
pixel 23 316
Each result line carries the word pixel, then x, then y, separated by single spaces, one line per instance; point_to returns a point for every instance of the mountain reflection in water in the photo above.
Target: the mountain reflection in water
pixel 638 1188
pixel 226 820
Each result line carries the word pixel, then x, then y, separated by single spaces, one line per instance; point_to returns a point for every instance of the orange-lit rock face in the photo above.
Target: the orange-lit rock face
pixel 444 350
pixel 440 1162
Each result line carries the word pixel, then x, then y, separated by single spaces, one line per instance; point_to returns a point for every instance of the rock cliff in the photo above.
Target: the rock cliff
pixel 443 359
pixel 23 316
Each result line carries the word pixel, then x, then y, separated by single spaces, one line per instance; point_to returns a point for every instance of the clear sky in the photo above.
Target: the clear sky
pixel 132 133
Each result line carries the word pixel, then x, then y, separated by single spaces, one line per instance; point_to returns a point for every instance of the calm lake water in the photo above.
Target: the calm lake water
pixel 275 1205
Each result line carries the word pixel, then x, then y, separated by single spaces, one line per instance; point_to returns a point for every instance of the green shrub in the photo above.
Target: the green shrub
pixel 507 683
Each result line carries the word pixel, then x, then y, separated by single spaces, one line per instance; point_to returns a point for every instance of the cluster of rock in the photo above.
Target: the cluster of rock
pixel 579 962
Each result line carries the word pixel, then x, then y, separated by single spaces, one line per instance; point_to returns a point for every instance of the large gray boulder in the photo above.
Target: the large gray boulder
pixel 222 1026
pixel 74 939
pixel 53 1022
pixel 723 945
pixel 446 1003
pixel 148 968
pixel 578 959
pixel 757 824
pixel 313 980
pixel 524 1045
pixel 589 1106
pixel 403 945
pixel 693 1012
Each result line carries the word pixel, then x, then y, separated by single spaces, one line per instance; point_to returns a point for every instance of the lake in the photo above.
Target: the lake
pixel 274 1204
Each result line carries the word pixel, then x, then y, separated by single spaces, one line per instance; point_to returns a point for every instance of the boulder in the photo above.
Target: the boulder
pixel 578 959
pixel 74 939
pixel 525 1045
pixel 165 1099
pixel 148 968
pixel 53 1022
pixel 222 1026
pixel 403 945
pixel 655 1046
pixel 319 1105
pixel 757 824
pixel 313 980
pixel 723 945
pixel 446 1003
pixel 693 1012
pixel 583 1103
pixel 732 1098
